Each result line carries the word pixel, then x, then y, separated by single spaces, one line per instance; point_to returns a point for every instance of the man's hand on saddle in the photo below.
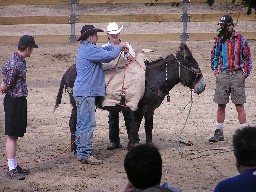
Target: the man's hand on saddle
pixel 126 50
pixel 124 46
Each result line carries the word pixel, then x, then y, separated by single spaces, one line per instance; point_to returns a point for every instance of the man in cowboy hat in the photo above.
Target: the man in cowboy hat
pixel 89 83
pixel 231 64
pixel 113 32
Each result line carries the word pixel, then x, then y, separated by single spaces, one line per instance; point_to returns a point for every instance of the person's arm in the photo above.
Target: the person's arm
pixel 9 74
pixel 246 55
pixel 99 54
pixel 215 55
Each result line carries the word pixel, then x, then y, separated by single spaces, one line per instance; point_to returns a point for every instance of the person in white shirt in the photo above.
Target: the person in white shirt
pixel 113 32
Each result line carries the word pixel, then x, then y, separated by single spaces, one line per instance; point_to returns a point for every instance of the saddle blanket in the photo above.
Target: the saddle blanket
pixel 124 78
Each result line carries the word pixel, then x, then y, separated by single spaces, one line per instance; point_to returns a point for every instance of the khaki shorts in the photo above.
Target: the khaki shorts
pixel 230 84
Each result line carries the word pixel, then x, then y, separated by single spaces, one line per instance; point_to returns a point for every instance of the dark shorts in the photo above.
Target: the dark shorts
pixel 230 84
pixel 15 110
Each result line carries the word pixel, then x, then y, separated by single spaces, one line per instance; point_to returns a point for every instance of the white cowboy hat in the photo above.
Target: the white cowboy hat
pixel 112 28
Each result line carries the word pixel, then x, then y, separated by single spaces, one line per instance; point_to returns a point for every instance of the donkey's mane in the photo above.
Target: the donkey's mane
pixel 155 61
pixel 160 61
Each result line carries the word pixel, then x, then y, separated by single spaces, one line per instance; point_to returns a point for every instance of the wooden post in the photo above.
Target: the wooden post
pixel 184 36
pixel 73 19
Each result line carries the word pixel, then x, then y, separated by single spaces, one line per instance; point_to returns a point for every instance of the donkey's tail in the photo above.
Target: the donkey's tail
pixel 59 95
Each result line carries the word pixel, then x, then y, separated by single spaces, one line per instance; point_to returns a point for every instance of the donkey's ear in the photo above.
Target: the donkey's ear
pixel 183 44
pixel 184 48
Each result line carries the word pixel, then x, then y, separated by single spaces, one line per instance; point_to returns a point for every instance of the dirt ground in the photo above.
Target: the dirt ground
pixel 44 149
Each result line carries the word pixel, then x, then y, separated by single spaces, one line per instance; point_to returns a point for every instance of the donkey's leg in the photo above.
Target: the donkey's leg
pixel 72 124
pixel 148 127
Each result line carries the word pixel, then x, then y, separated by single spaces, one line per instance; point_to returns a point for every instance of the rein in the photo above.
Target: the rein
pixel 188 143
pixel 50 158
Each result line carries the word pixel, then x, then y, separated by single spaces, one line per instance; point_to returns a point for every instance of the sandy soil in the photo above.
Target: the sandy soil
pixel 44 149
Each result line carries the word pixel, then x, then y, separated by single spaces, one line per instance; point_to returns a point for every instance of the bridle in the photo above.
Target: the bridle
pixel 166 75
pixel 180 65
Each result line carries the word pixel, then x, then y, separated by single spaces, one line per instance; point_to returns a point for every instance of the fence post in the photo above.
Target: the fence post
pixel 73 19
pixel 184 36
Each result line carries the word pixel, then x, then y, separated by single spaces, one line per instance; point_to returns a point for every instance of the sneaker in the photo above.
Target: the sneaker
pixel 218 136
pixel 23 171
pixel 14 174
pixel 113 146
pixel 91 161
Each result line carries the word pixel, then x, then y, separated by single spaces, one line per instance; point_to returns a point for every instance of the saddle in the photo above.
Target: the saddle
pixel 125 83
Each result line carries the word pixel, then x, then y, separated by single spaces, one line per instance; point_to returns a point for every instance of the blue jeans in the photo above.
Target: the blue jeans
pixel 85 125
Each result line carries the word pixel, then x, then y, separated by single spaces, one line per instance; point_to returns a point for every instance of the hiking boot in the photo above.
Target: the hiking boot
pixel 91 161
pixel 23 171
pixel 14 174
pixel 218 136
pixel 113 146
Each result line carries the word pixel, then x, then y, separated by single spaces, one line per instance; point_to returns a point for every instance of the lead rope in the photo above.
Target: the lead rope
pixel 48 159
pixel 188 143
pixel 113 69
pixel 122 101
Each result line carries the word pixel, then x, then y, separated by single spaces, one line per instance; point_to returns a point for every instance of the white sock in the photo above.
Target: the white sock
pixel 243 125
pixel 219 126
pixel 15 162
pixel 11 164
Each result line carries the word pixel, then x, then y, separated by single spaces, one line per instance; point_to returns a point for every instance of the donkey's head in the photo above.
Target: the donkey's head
pixel 190 73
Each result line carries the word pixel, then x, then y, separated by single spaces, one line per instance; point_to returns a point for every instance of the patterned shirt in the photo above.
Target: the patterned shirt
pixel 231 55
pixel 14 76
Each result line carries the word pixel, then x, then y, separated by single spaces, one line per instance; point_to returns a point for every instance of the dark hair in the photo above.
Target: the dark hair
pixel 26 41
pixel 143 166
pixel 22 48
pixel 244 143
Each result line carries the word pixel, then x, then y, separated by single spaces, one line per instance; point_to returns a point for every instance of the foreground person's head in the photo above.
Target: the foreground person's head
pixel 244 143
pixel 143 166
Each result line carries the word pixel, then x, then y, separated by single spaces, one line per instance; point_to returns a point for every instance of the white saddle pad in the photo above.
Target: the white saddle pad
pixel 132 78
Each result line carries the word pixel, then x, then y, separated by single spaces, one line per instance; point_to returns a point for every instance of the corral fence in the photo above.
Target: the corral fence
pixel 74 18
